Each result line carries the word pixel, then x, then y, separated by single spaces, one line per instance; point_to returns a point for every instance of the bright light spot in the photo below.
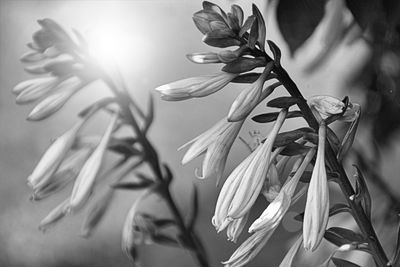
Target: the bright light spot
pixel 112 44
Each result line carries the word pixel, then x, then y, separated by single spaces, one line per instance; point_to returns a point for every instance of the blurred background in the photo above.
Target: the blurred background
pixel 156 36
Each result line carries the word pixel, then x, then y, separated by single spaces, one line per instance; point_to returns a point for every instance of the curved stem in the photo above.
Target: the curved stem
pixel 188 235
pixel 357 210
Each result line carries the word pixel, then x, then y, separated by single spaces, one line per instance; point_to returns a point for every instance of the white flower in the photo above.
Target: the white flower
pixel 53 156
pixel 216 142
pixel 33 89
pixel 55 101
pixel 54 216
pixel 265 226
pixel 203 57
pixel 235 228
pixel 195 87
pixel 249 98
pixel 129 238
pixel 289 257
pixel 85 181
pixel 244 184
pixel 326 105
pixel 317 206
pixel 67 172
pixel 275 211
pixel 249 249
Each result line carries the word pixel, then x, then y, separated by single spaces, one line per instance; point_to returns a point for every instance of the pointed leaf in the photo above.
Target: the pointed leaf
pixel 195 209
pixel 335 209
pixel 285 138
pixel 362 192
pixel 261 27
pixel 96 106
pixel 343 263
pixel 246 78
pixel 133 185
pixel 298 19
pixel 253 36
pixel 247 25
pixel 283 102
pixel 244 64
pixel 342 236
pixel 293 149
pixel 305 178
pixel 276 52
pixel 272 116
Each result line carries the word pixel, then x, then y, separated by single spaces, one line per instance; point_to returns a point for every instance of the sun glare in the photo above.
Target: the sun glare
pixel 113 44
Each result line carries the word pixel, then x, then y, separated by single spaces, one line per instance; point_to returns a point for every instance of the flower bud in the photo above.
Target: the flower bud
pixel 326 105
pixel 54 216
pixel 57 100
pixel 85 181
pixel 53 156
pixel 203 58
pixel 317 206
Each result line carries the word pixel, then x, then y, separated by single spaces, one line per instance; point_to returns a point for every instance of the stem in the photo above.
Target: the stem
pixel 151 156
pixel 357 210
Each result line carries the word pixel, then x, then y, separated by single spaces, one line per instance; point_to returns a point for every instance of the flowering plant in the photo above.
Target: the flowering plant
pixel 313 154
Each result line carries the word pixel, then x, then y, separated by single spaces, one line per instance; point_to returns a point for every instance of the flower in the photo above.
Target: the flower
pixel 55 101
pixel 275 211
pixel 53 157
pixel 326 105
pixel 216 142
pixel 33 89
pixel 54 216
pixel 131 236
pixel 203 57
pixel 195 86
pixel 67 172
pixel 249 249
pixel 267 223
pixel 235 228
pixel 244 184
pixel 86 177
pixel 289 257
pixel 317 206
pixel 248 99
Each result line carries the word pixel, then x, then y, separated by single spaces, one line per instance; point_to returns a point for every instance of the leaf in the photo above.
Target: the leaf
pixel 124 147
pixel 237 11
pixel 133 185
pixel 276 52
pixel 343 263
pixel 220 38
pixel 306 177
pixel 208 6
pixel 272 116
pixel 293 149
pixel 244 64
pixel 96 106
pixel 362 192
pixel 261 27
pixel 335 209
pixel 195 209
pixel 283 102
pixel 342 236
pixel 298 19
pixel 396 256
pixel 165 240
pixel 285 138
pixel 246 78
pixel 365 12
pixel 150 115
pixel 348 139
pixel 253 36
pixel 333 139
pixel 247 25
